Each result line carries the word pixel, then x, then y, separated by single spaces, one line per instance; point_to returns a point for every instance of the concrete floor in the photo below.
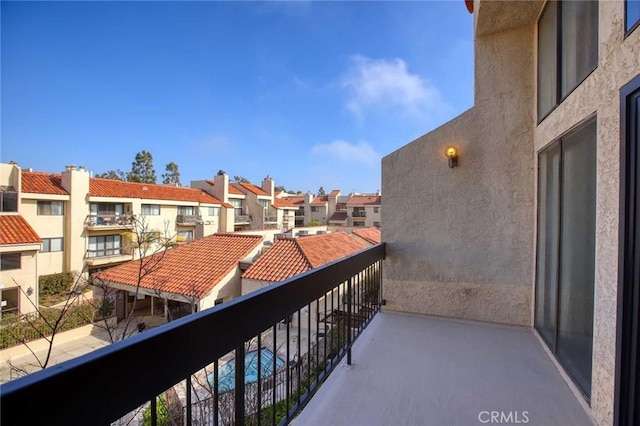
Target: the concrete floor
pixel 415 370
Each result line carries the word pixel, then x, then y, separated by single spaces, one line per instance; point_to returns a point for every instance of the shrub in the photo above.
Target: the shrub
pixel 56 283
pixel 162 413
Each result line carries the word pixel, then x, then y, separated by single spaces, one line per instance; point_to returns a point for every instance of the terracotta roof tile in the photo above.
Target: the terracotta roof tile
pixel 321 249
pixel 338 216
pixel 371 235
pixel 42 183
pixel 253 188
pixel 289 257
pixel 283 260
pixel 283 203
pixel 14 229
pixel 231 189
pixel 115 188
pixel 297 200
pixel 190 269
pixel 320 199
pixel 365 200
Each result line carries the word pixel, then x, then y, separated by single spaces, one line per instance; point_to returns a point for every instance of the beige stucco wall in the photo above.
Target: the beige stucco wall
pixel 25 277
pixel 618 63
pixel 46 227
pixel 460 241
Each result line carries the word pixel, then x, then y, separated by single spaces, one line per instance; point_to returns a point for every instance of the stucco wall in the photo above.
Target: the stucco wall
pixel 460 241
pixel 24 278
pixel 618 63
pixel 46 227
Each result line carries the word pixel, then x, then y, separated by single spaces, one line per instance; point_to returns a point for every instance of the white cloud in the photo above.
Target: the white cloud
pixel 351 153
pixel 382 84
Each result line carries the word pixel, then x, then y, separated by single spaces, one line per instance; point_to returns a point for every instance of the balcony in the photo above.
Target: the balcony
pixel 310 322
pixel 107 221
pixel 359 213
pixel 188 219
pixel 242 219
pixel 300 212
pixel 106 256
pixel 271 219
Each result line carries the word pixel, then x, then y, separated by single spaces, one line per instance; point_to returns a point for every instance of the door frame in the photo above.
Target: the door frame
pixel 627 341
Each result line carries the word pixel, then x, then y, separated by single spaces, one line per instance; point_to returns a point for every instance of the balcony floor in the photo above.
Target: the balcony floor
pixel 414 370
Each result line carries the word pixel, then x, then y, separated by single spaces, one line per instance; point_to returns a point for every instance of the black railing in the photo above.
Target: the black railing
pixel 192 370
pixel 188 219
pixel 359 213
pixel 109 219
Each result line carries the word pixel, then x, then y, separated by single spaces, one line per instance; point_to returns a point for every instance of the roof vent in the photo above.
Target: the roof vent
pixel 70 167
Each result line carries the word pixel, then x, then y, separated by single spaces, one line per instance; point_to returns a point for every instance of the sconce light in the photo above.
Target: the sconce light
pixel 452 154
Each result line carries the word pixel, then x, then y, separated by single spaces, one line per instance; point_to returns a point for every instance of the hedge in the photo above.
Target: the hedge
pixel 56 283
pixel 15 330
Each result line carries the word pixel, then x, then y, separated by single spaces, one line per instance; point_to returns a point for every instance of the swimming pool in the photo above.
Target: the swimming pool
pixel 227 372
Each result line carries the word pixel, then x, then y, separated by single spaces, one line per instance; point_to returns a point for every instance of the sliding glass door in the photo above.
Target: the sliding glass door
pixel 566 250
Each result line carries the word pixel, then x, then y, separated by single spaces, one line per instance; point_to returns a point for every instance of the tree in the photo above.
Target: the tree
pixel 113 174
pixel 172 175
pixel 241 179
pixel 321 191
pixel 142 168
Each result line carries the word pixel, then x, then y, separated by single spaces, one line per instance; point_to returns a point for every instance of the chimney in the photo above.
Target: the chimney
pixel 268 185
pixel 221 187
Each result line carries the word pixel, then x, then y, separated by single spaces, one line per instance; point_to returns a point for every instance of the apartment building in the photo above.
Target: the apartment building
pixel 364 210
pixel 255 207
pixel 87 224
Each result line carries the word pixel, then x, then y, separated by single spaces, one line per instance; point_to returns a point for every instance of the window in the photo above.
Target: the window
pixel 104 245
pixel 9 201
pixel 214 211
pixel 51 244
pixel 185 236
pixel 50 208
pixel 565 258
pixel 9 261
pixel 10 301
pixel 186 210
pixel 567 50
pixel 376 224
pixel 314 209
pixel 151 209
pixel 106 209
pixel 358 223
pixel 263 203
pixel 632 14
pixel 376 209
pixel 237 206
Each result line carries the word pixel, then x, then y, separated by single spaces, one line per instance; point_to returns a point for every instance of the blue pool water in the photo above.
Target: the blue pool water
pixel 227 372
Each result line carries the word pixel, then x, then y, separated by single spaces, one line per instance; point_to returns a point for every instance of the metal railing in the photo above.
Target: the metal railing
pixel 109 219
pixel 359 213
pixel 244 218
pixel 200 369
pixel 188 219
pixel 117 251
pixel 271 219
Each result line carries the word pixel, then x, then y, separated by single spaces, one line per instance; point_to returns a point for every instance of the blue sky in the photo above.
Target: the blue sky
pixel 312 93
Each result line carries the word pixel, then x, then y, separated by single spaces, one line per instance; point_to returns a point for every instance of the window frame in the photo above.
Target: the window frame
pixel 632 28
pixel 104 249
pixel 48 240
pixel 215 210
pixel 150 209
pixel 559 98
pixel 314 209
pixel 5 197
pixel 5 256
pixel 42 204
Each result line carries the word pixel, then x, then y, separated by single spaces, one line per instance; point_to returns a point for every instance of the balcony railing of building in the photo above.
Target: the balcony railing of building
pixel 359 213
pixel 279 343
pixel 271 219
pixel 300 212
pixel 243 218
pixel 188 219
pixel 117 251
pixel 104 220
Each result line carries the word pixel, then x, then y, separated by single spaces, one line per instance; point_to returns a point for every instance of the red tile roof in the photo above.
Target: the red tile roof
pixel 334 193
pixel 371 235
pixel 365 200
pixel 42 183
pixel 338 216
pixel 297 200
pixel 320 199
pixel 253 188
pixel 191 269
pixel 231 189
pixel 14 229
pixel 289 257
pixel 115 188
pixel 283 203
